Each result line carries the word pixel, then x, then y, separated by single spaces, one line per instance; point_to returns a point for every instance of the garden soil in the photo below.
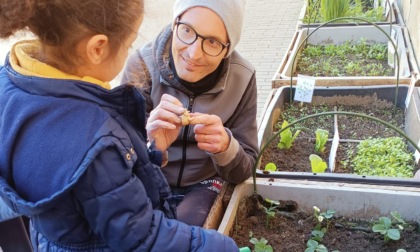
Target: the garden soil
pixel 290 230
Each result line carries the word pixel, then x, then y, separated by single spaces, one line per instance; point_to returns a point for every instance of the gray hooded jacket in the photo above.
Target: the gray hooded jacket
pixel 233 98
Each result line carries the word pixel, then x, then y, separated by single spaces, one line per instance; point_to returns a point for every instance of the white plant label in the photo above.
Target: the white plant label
pixel 304 88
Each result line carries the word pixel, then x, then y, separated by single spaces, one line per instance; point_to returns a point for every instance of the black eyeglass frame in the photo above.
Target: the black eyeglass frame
pixel 177 23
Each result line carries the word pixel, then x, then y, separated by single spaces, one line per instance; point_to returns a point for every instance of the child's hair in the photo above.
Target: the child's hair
pixel 61 24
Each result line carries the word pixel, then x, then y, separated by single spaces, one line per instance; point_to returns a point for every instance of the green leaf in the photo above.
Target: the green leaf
pixel 321 248
pixel 379 228
pixel 270 167
pixel 254 240
pixel 286 137
pixel 268 248
pixel 311 243
pixel 295 135
pixel 272 202
pixel 321 138
pixel 397 216
pixel 393 234
pixel 318 235
pixel 386 222
pixel 329 214
pixel 317 165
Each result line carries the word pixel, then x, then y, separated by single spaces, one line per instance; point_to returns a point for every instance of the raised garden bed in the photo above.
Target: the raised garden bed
pixel 311 14
pixel 376 101
pixel 351 131
pixel 327 36
pixel 356 206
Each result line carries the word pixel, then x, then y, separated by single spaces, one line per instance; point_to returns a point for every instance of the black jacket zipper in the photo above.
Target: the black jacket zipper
pixel 184 145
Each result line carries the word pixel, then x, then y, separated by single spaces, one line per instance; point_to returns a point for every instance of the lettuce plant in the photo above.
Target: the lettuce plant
pixel 270 167
pixel 287 137
pixel 317 164
pixel 321 138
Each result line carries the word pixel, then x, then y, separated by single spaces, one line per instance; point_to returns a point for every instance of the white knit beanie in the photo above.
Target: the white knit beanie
pixel 230 11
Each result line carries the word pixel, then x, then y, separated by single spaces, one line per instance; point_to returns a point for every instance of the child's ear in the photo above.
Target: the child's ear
pixel 97 49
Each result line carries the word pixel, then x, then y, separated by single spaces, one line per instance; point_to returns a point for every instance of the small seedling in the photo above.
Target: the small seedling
pixel 287 137
pixel 319 231
pixel 270 211
pixel 270 167
pixel 317 164
pixel 261 245
pixel 384 227
pixel 314 246
pixel 390 229
pixel 321 138
pixel 328 216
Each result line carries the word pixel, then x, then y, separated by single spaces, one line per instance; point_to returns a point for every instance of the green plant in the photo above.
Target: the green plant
pixel 390 229
pixel 383 157
pixel 314 246
pixel 270 211
pixel 287 137
pixel 270 167
pixel 396 129
pixel 321 138
pixel 319 231
pixel 324 10
pixel 347 59
pixel 321 216
pixel 334 9
pixel 261 245
pixel 317 164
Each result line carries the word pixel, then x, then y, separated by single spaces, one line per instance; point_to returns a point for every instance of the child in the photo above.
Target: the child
pixel 74 156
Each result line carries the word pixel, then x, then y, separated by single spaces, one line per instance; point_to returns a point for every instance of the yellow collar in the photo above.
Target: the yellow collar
pixel 23 60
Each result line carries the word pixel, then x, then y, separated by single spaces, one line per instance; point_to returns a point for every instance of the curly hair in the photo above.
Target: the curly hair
pixel 61 24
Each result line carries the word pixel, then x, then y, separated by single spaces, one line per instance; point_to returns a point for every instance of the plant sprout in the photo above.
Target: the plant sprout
pixel 270 167
pixel 390 229
pixel 314 246
pixel 317 164
pixel 287 137
pixel 261 245
pixel 270 211
pixel 321 138
pixel 384 227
